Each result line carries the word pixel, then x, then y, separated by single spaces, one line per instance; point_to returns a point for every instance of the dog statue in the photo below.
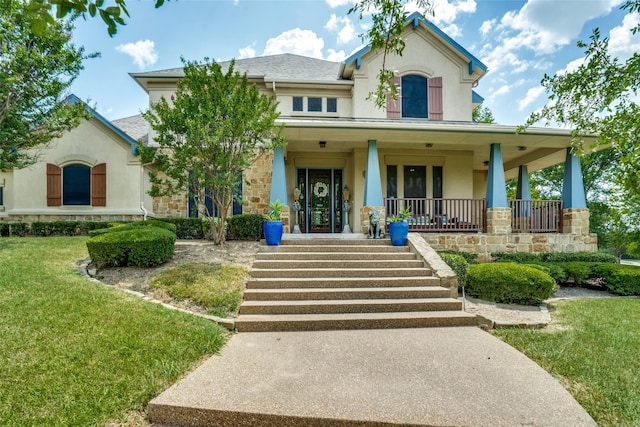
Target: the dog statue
pixel 374 225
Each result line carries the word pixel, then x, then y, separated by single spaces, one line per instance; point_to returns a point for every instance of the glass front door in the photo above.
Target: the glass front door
pixel 320 200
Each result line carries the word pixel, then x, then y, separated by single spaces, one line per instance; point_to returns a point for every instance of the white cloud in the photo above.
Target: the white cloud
pixel 143 52
pixel 540 27
pixel 344 27
pixel 446 12
pixel 300 42
pixel 502 90
pixel 247 51
pixel 337 3
pixel 336 56
pixel 532 95
pixel 622 42
pixel 487 26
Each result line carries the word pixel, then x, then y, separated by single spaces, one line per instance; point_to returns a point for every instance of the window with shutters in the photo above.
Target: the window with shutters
pixel 77 185
pixel 418 97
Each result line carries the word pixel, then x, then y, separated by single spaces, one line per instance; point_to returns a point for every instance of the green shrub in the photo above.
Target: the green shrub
pixel 509 283
pixel 127 246
pixel 458 264
pixel 577 257
pixel 558 273
pixel 152 223
pixel 56 228
pixel 4 230
pixel 468 256
pixel 188 228
pixel 620 279
pixel 245 227
pixel 517 257
pixel 19 229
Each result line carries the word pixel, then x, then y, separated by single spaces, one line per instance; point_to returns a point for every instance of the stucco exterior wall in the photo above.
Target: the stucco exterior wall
pixel 423 55
pixel 91 143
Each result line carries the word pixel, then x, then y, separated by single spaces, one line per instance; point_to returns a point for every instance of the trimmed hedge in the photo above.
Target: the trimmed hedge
pixel 4 230
pixel 509 283
pixel 188 228
pixel 620 279
pixel 523 257
pixel 132 246
pixel 458 264
pixel 468 256
pixel 245 227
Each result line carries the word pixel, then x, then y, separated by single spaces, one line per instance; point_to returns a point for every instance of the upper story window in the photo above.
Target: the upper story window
pixel 314 104
pixel 414 96
pixel 418 97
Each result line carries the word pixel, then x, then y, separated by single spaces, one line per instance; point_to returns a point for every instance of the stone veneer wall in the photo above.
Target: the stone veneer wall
pixel 485 244
pixel 575 221
pixel 171 206
pixel 256 195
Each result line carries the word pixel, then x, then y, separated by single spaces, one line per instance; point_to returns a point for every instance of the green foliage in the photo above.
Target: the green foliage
pixel 482 114
pixel 591 334
pixel 214 127
pixel 509 283
pixel 389 17
pixel 620 279
pixel 217 288
pixel 19 229
pixel 275 211
pixel 459 266
pixel 65 338
pixel 32 111
pixel 524 257
pixel 402 216
pixel 245 227
pixel 129 245
pixel 468 256
pixel 4 230
pixel 188 228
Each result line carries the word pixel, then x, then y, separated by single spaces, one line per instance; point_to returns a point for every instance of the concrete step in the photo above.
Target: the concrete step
pixel 318 322
pixel 334 248
pixel 341 282
pixel 349 306
pixel 344 272
pixel 331 242
pixel 344 293
pixel 336 264
pixel 339 256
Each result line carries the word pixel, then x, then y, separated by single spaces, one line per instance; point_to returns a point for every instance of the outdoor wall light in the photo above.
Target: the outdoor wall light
pixel 322 144
pixel 486 163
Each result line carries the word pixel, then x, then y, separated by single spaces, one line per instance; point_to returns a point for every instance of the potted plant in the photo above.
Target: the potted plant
pixel 399 227
pixel 272 226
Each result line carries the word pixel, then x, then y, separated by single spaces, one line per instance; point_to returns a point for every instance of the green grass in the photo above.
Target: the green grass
pixel 217 288
pixel 595 352
pixel 77 353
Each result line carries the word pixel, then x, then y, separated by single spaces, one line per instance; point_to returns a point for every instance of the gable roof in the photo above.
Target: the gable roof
pixel 416 19
pixel 72 99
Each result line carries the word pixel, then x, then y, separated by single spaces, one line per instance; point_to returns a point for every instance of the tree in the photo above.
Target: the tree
pixel 35 73
pixel 389 18
pixel 218 125
pixel 599 98
pixel 482 114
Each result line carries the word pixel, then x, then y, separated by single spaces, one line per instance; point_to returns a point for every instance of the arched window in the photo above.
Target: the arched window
pixel 414 96
pixel 76 185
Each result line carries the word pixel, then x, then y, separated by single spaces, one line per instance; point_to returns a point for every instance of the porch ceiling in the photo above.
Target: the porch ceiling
pixel 543 147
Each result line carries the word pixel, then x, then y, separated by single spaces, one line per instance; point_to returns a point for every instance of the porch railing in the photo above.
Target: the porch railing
pixel 536 216
pixel 441 215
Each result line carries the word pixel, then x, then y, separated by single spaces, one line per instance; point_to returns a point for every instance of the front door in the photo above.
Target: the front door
pixel 320 201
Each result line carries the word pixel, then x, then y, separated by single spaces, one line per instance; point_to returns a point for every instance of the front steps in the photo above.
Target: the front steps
pixel 329 284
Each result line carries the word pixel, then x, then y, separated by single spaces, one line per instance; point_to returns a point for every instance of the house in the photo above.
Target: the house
pixel 345 158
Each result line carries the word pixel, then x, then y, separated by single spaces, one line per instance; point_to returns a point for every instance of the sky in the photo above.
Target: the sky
pixel 519 41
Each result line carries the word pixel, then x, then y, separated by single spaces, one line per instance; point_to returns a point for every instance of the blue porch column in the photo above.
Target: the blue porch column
pixel 372 180
pixel 496 188
pixel 523 192
pixel 278 178
pixel 573 196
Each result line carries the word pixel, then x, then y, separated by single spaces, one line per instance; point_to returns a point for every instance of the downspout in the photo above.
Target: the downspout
pixel 144 211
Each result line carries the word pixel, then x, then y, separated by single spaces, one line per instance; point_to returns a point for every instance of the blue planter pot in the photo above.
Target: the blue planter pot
pixel 272 232
pixel 398 232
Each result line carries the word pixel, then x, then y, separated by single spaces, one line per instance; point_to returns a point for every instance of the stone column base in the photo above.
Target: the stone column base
pixel 575 221
pixel 364 219
pixel 499 221
pixel 286 219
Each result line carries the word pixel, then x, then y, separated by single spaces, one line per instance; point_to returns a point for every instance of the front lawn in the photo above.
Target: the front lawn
pixel 594 350
pixel 73 352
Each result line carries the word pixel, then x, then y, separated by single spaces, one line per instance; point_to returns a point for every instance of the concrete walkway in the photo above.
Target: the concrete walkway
pixel 459 376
